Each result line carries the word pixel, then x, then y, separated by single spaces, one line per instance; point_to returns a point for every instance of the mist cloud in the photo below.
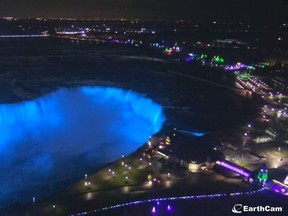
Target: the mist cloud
pixel 63 135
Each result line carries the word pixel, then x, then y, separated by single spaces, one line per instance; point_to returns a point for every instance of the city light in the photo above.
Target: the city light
pixel 262 174
pixel 169 208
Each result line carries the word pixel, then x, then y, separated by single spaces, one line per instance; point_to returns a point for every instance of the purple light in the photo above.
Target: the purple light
pixel 234 169
pixel 276 188
pixel 238 66
pixel 169 208
pixel 206 196
pixel 189 59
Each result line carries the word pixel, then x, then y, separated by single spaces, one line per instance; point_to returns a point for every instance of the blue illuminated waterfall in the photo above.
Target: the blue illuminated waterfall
pixel 61 135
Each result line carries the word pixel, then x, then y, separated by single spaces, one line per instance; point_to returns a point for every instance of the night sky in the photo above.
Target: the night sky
pixel 252 10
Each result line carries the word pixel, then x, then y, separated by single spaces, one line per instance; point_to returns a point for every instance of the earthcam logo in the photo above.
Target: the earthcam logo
pixel 239 208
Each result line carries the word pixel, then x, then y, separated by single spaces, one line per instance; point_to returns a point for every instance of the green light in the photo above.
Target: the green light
pixel 265 176
pixel 203 56
pixel 217 59
pixel 262 175
pixel 251 67
pixel 245 76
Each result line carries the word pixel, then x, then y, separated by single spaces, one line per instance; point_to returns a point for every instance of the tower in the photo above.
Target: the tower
pixel 262 175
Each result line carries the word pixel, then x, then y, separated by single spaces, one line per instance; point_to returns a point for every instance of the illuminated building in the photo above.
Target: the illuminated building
pixel 189 151
pixel 262 175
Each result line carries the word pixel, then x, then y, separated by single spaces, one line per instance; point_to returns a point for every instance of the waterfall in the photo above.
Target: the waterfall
pixel 40 140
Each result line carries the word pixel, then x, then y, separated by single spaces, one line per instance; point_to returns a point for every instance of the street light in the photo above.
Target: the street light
pixel 87 183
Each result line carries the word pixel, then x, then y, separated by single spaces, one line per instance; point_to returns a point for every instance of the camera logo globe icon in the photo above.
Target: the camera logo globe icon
pixel 237 208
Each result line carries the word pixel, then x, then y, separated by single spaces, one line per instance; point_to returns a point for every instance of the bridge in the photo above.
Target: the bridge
pixel 235 168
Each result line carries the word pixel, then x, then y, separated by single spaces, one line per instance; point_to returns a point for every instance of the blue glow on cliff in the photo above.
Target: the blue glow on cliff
pixel 192 133
pixel 64 134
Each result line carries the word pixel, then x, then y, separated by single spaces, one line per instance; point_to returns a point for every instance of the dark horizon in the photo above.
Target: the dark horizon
pixel 224 10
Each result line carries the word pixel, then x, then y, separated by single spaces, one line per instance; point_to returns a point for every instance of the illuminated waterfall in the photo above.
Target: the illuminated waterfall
pixel 69 131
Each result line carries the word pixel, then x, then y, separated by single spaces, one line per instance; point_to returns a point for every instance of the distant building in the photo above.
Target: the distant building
pixel 189 152
pixel 229 43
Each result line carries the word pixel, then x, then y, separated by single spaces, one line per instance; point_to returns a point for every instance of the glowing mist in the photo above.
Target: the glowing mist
pixel 64 134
